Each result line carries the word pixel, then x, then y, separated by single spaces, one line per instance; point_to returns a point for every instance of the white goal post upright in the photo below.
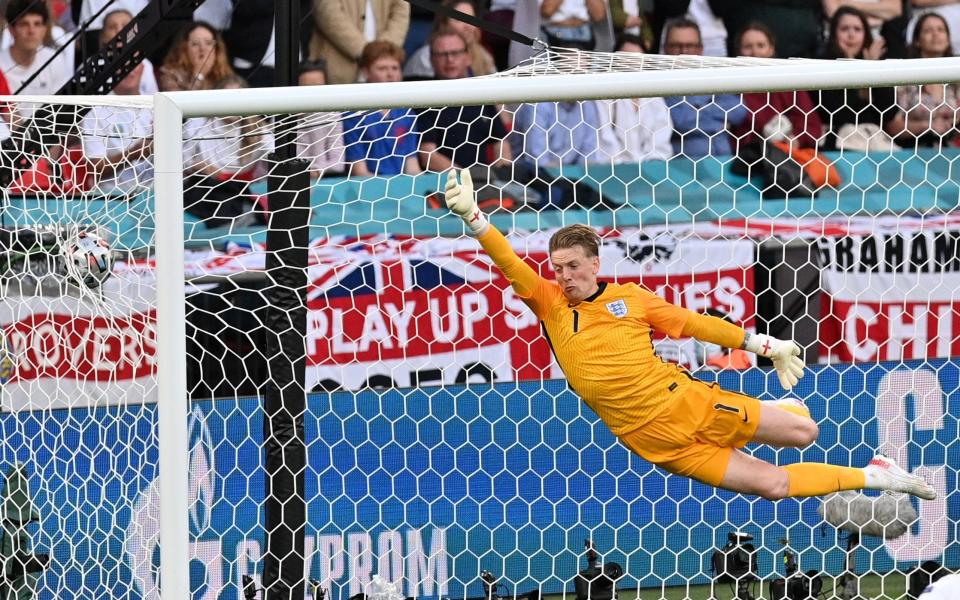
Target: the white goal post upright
pixel 170 110
pixel 173 404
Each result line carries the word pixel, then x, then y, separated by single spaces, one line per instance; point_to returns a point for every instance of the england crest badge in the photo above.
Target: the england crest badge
pixel 617 308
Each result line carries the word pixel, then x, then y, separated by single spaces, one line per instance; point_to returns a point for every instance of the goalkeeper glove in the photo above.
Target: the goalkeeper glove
pixel 784 354
pixel 462 202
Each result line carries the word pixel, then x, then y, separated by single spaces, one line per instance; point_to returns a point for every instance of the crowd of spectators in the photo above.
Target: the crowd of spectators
pixel 230 45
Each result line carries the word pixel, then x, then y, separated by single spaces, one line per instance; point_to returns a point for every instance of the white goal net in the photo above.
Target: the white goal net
pixel 445 456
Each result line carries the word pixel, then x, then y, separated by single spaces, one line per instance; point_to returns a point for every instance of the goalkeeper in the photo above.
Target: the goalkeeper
pixel 600 334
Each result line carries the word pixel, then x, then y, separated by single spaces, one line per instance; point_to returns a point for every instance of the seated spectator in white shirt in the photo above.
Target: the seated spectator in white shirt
pixel 635 129
pixel 118 142
pixel 222 156
pixel 56 38
pixel 29 22
pixel 320 135
pixel 113 24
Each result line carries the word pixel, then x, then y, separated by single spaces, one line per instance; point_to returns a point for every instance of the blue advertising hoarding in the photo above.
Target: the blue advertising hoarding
pixel 429 487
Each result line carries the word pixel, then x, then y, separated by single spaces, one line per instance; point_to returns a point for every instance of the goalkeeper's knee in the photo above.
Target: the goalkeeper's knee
pixel 791 405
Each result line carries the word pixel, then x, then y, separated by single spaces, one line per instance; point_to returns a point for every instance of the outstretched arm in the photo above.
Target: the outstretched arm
pixel 784 353
pixel 462 202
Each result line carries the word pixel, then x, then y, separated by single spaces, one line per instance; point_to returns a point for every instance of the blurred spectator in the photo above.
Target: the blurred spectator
pixel 713 32
pixel 635 129
pixel 218 13
pixel 57 37
pixel 948 9
pixel 381 142
pixel 501 12
pixel 526 21
pixel 682 36
pixel 5 114
pixel 560 133
pixel 420 65
pixel 419 29
pixel 928 113
pixel 876 11
pixel 569 23
pixel 456 136
pixel 197 60
pixel 113 24
pixel 856 118
pixel 61 14
pixel 29 25
pixel 250 36
pixel 320 142
pixel 92 14
pixel 797 24
pixel 627 16
pixel 851 36
pixel 699 122
pixel 775 116
pixel 931 37
pixel 221 156
pixel 344 27
pixel 118 141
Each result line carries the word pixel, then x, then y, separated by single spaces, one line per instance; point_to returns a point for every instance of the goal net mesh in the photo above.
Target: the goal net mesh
pixel 442 440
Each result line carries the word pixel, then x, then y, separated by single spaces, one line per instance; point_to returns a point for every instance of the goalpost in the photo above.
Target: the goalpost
pixel 440 444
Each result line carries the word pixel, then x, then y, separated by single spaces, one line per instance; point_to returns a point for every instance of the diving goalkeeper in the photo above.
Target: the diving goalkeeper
pixel 600 334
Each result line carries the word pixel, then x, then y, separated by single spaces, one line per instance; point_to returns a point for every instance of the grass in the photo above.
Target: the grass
pixel 890 586
pixel 872 587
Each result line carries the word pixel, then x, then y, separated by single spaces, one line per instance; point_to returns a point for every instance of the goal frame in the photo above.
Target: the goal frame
pixel 670 77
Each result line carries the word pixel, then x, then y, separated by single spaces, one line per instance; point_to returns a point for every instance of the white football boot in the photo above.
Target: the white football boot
pixel 882 473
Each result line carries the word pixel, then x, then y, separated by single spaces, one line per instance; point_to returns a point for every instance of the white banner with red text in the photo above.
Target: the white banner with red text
pixel 890 295
pixel 383 311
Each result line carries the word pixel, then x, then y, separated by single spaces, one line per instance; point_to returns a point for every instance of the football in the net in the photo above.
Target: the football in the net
pixel 88 258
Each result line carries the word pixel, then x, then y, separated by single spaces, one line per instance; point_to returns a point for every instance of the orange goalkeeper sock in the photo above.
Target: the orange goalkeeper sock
pixel 817 479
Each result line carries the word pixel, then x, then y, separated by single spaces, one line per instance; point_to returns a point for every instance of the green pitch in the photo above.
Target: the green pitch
pixel 890 586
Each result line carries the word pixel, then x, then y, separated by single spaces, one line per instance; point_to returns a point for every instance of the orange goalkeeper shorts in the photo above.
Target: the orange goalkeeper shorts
pixel 697 434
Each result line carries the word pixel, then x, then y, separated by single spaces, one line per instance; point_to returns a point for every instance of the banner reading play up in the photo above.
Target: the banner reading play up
pixel 398 312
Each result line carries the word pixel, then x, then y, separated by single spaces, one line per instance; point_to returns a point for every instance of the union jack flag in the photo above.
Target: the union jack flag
pixel 378 264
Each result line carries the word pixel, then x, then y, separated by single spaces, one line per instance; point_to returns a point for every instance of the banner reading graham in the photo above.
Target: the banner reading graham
pixel 891 294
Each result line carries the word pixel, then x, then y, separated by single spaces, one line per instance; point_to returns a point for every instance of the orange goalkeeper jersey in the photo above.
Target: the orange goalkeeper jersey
pixel 604 343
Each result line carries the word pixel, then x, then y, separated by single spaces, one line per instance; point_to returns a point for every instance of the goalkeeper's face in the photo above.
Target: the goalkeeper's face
pixel 575 272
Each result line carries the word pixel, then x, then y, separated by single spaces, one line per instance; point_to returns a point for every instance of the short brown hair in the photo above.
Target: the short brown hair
pixel 22 8
pixel 448 31
pixel 576 235
pixel 378 49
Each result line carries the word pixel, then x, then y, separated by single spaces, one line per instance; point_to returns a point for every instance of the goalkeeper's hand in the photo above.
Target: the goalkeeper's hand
pixel 463 202
pixel 784 354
